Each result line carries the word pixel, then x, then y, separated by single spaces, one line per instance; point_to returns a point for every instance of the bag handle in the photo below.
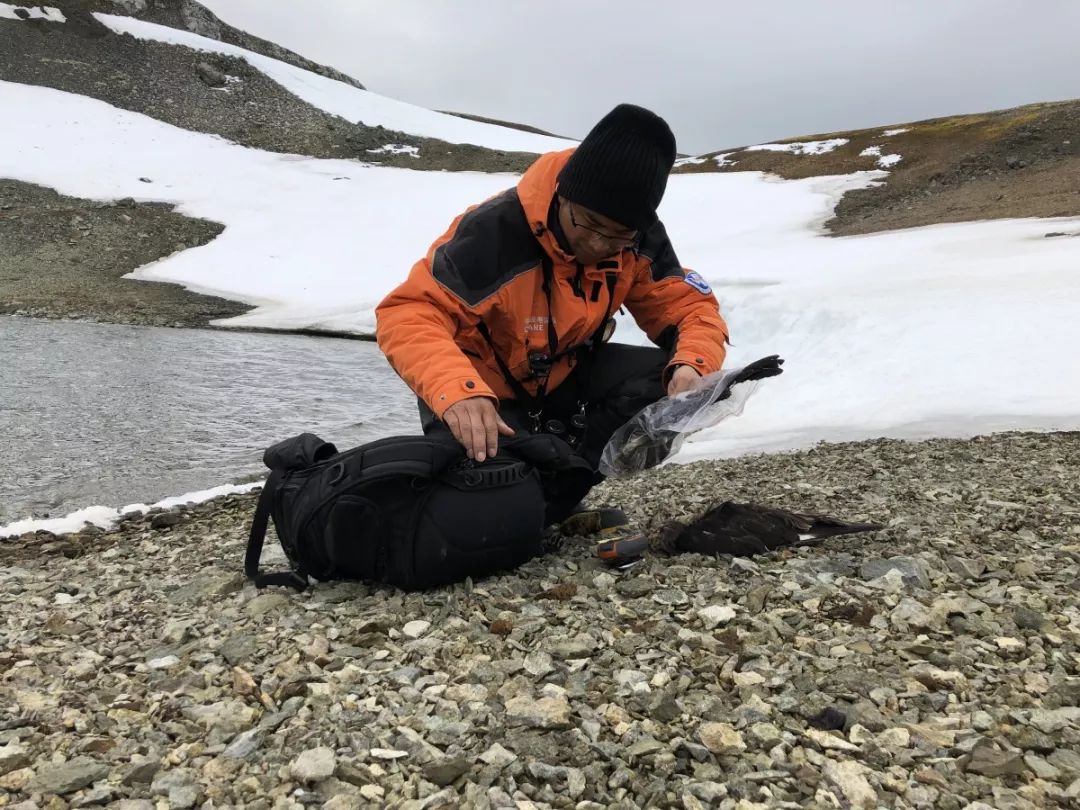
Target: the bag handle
pixel 293 579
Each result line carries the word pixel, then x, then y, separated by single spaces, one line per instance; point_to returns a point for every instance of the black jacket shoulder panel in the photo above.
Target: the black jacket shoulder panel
pixel 656 247
pixel 492 245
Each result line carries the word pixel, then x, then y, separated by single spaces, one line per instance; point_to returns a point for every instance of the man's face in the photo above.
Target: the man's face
pixel 591 235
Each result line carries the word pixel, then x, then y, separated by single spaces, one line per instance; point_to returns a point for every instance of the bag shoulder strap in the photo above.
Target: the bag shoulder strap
pixel 256 537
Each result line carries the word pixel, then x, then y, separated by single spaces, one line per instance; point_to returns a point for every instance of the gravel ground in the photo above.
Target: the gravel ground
pixel 932 665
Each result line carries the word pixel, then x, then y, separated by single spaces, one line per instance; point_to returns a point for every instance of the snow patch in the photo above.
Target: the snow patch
pixel 346 101
pixel 689 161
pixel 397 149
pixel 890 132
pixel 8 12
pixel 884 161
pixel 800 147
pixel 106 517
pixel 722 159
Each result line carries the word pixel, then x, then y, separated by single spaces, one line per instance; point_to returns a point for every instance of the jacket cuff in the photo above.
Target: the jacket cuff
pixel 451 392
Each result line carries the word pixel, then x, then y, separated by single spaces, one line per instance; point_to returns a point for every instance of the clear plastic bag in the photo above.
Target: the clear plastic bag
pixel 659 430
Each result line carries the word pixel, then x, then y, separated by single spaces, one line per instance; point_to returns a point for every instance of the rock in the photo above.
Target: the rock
pixel 415 629
pixel 313 765
pixel 266 603
pixel 829 742
pixel 1014 162
pixel 539 663
pixel 97 795
pixel 243 745
pixel 990 761
pixel 372 793
pixel 1050 721
pixel 671 596
pixel 1041 768
pixel 67 777
pixel 238 649
pixel 716 615
pixel 1028 619
pixel 1066 760
pixel 165 520
pixel 561 778
pixel 721 738
pixel 12 757
pixel 913 571
pixel 849 777
pixel 387 753
pixel 179 786
pixel 446 771
pixel 141 773
pixel 742 679
pixel 549 712
pixel 133 7
pixel 207 586
pixel 645 747
pixel 567 649
pixel 635 587
pixel 498 756
pixel 211 76
pixel 965 568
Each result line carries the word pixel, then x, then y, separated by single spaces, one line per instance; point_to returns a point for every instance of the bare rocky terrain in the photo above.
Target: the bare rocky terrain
pixel 1023 162
pixel 934 664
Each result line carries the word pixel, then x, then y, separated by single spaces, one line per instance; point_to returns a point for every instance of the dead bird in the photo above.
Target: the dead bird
pixel 743 530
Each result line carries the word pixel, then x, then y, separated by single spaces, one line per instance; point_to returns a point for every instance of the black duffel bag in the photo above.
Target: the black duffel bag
pixel 409 511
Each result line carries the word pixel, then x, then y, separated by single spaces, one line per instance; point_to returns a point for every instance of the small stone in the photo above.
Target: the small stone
pixel 991 761
pixel 849 777
pixel 164 662
pixel 635 587
pixel 238 649
pixel 165 520
pixel 645 747
pixel 549 712
pixel 498 756
pixel 1006 644
pixel 211 76
pixel 99 794
pixel 387 753
pixel 1049 721
pixel 671 596
pixel 313 765
pixel 67 777
pixel 829 741
pixel 1028 619
pixel 243 745
pixel 913 571
pixel 141 773
pixel 568 649
pixel 179 786
pixel 1065 760
pixel 416 628
pixel 265 603
pixel 538 664
pixel 721 738
pixel 747 678
pixel 716 615
pixel 445 771
pixel 13 757
pixel 1041 768
pixel 372 792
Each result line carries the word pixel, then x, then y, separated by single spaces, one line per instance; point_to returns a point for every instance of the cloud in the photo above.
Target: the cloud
pixel 722 75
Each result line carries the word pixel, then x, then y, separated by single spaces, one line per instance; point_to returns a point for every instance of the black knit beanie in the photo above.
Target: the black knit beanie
pixel 621 168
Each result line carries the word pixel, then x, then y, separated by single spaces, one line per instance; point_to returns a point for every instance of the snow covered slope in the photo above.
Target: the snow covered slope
pixel 351 103
pixel 946 330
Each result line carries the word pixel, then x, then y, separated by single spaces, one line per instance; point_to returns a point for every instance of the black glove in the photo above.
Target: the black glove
pixel 758 370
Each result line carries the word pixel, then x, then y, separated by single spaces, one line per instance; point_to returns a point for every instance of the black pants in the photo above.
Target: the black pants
pixel 621 381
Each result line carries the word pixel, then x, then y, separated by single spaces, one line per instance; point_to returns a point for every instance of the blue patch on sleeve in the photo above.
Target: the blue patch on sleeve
pixel 694 279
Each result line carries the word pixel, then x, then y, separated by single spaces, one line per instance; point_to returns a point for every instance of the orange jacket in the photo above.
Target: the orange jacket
pixel 488 267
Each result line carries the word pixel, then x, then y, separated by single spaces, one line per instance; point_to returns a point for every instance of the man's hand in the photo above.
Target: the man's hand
pixel 683 379
pixel 475 422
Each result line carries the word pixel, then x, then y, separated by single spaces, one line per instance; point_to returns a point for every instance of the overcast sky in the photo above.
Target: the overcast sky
pixel 721 74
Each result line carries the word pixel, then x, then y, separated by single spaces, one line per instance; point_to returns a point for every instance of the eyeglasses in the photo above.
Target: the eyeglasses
pixel 619 240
